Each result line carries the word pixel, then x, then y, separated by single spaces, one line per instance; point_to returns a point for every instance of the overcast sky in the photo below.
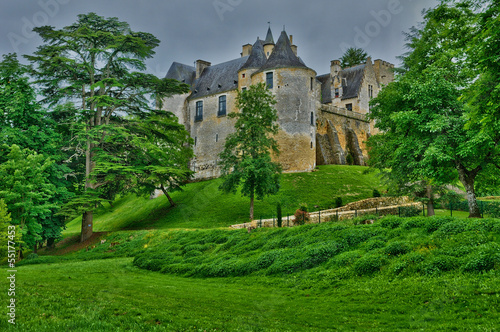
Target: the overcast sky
pixel 215 30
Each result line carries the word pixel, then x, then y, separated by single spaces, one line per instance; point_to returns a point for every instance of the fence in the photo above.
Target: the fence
pixel 491 209
pixel 408 209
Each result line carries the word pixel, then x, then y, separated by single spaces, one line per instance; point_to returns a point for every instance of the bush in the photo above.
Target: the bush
pixel 338 202
pixel 397 248
pixel 410 211
pixel 483 259
pixel 349 159
pixel 390 222
pixel 376 193
pixel 368 264
pixel 301 215
pixel 32 256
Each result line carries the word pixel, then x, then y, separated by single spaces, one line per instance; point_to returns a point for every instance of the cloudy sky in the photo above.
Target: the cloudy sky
pixel 215 30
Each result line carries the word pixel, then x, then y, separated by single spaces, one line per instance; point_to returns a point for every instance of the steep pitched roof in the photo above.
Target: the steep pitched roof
pixel 283 56
pixel 182 72
pixel 257 57
pixel 351 81
pixel 326 88
pixel 219 78
pixel 269 37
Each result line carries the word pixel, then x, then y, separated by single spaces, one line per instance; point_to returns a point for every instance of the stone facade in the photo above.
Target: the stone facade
pixel 322 119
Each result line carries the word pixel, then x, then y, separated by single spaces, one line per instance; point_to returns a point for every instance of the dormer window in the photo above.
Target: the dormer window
pixel 337 93
pixel 243 75
pixel 370 91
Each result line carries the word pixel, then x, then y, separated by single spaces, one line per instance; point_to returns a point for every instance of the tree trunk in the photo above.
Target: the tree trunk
pixel 467 178
pixel 251 206
pixel 35 249
pixel 87 225
pixel 430 202
pixel 170 200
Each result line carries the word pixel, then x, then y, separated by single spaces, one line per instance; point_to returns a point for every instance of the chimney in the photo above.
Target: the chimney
pixel 247 49
pixel 291 40
pixel 200 66
pixel 335 68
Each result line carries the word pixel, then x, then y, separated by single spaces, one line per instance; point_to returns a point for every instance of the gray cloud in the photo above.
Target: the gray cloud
pixel 215 30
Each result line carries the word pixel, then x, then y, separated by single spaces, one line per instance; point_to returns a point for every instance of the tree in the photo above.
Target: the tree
pixel 24 123
pixel 27 191
pixel 96 65
pixel 246 158
pixel 352 57
pixel 426 132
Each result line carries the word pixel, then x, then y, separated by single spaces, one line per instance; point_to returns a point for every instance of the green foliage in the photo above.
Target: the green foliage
pixel 352 57
pixel 376 193
pixel 430 133
pixel 246 158
pixel 279 214
pixel 202 205
pixel 391 246
pixel 121 141
pixel 338 202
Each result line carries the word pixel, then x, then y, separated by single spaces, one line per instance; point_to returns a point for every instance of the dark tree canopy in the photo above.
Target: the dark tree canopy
pixel 353 56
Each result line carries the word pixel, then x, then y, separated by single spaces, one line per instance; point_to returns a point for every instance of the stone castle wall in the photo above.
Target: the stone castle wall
pixel 339 133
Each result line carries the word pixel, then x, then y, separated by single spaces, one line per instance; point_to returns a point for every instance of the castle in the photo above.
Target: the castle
pixel 322 119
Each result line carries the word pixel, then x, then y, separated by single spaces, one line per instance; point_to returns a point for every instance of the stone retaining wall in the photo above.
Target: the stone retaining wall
pixel 376 206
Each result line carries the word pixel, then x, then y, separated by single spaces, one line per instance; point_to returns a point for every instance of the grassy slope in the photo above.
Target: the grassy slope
pixel 112 295
pixel 424 283
pixel 202 205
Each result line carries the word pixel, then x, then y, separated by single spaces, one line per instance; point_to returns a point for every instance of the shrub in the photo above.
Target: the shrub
pixel 390 222
pixel 32 256
pixel 397 248
pixel 301 215
pixel 349 159
pixel 484 259
pixel 338 202
pixel 410 211
pixel 368 264
pixel 346 258
pixel 376 193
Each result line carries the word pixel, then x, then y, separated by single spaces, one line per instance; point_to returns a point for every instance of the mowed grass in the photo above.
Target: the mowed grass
pixel 113 295
pixel 201 205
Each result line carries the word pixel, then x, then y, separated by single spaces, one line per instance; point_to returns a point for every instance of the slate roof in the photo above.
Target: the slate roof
pixel 283 56
pixel 269 37
pixel 326 88
pixel 257 57
pixel 218 78
pixel 182 73
pixel 351 81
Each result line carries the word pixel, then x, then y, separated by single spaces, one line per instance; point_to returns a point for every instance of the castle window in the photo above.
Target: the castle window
pixel 244 89
pixel 337 92
pixel 312 84
pixel 269 80
pixel 243 75
pixel 370 91
pixel 312 118
pixel 216 137
pixel 222 106
pixel 311 144
pixel 199 111
pixel 349 107
pixel 195 140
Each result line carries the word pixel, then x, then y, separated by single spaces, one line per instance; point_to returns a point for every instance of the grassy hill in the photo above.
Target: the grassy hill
pixel 201 205
pixel 398 274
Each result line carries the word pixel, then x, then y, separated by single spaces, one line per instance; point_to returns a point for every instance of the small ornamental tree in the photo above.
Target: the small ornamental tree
pixel 246 159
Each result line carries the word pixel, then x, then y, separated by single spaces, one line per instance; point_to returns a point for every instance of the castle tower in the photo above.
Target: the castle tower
pixel 255 61
pixel 269 43
pixel 294 87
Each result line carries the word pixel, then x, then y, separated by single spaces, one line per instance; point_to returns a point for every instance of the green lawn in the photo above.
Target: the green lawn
pixel 112 295
pixel 201 205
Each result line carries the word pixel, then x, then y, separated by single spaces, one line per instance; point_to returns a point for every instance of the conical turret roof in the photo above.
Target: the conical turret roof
pixel 283 56
pixel 269 37
pixel 257 57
